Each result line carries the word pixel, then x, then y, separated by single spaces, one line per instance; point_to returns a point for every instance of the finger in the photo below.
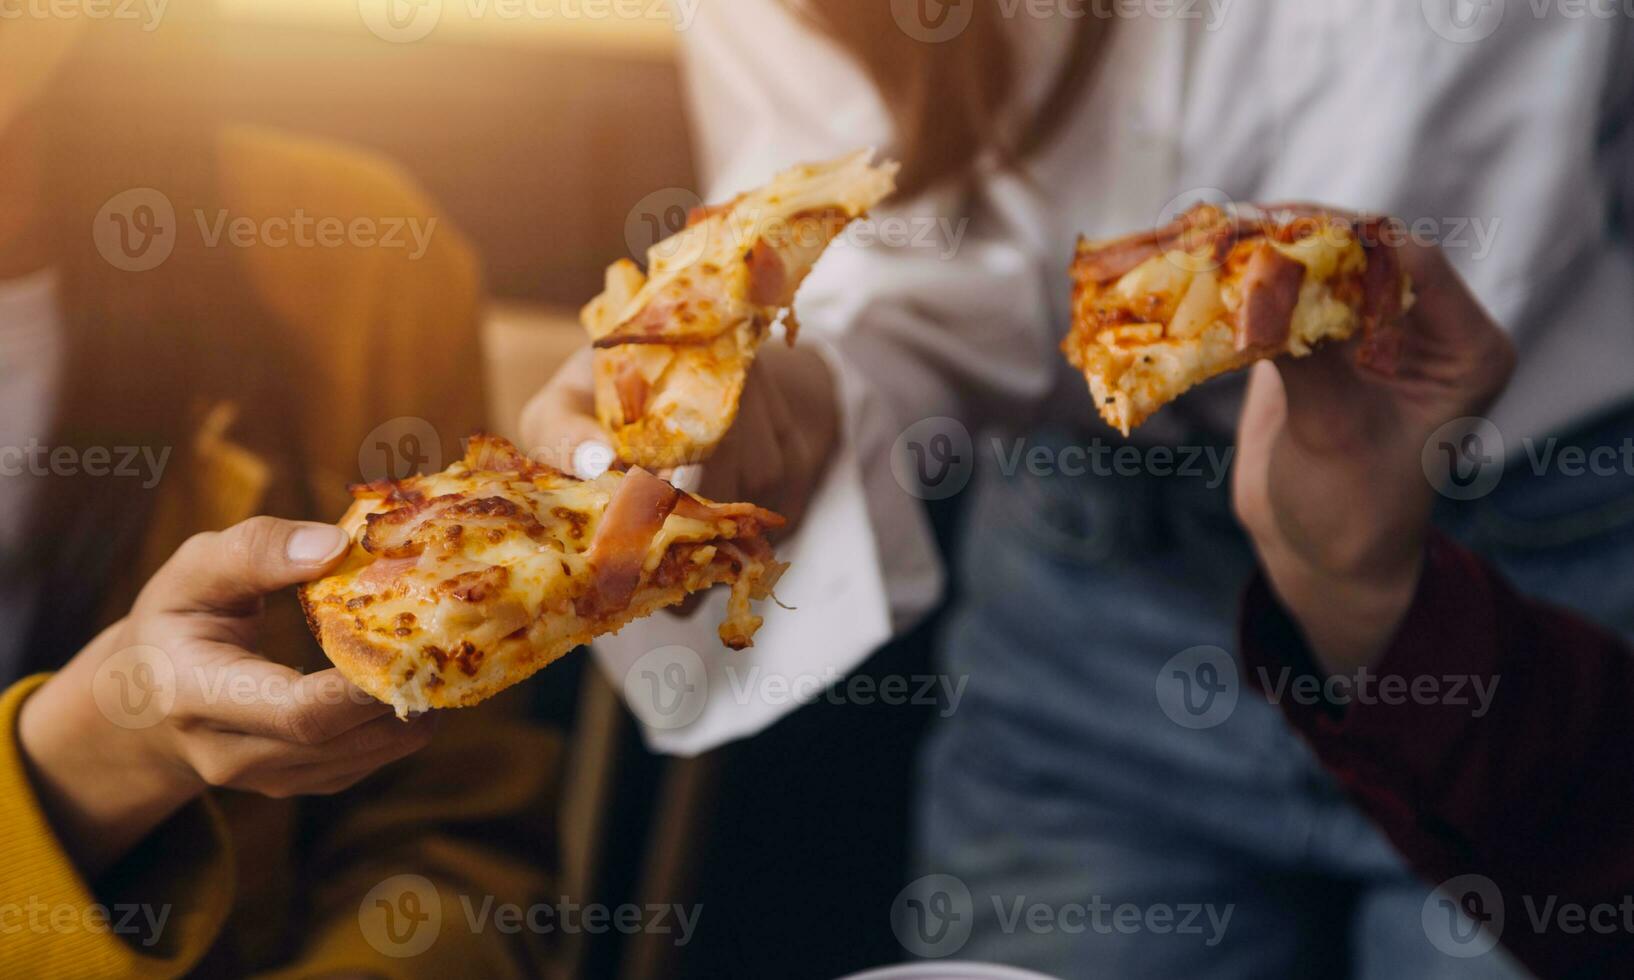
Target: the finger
pixel 228 571
pixel 749 459
pixel 346 764
pixel 689 477
pixel 1264 409
pixel 1322 395
pixel 364 748
pixel 279 769
pixel 243 694
pixel 562 416
pixel 797 463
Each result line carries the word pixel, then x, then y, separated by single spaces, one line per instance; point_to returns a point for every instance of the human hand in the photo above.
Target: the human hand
pixel 208 711
pixel 774 455
pixel 1329 480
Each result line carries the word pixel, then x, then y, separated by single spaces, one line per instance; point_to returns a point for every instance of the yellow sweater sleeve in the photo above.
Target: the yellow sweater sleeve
pixel 422 863
pixel 152 915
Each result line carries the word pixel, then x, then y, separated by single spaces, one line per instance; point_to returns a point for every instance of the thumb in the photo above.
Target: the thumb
pixel 229 571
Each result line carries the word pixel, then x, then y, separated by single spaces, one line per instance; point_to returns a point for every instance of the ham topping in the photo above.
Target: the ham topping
pixel 1270 292
pixel 618 551
pixel 632 389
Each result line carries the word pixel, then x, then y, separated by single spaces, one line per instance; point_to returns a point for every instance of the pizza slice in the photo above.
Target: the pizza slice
pixel 674 345
pixel 461 583
pixel 1158 313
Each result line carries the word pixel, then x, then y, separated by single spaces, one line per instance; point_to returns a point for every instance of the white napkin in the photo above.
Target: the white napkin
pixel 690 694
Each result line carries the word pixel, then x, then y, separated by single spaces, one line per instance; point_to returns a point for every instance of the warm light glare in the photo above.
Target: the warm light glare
pixel 631 25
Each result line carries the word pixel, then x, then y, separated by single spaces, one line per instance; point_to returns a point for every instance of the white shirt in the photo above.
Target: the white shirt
pixel 1362 104
pixel 31 353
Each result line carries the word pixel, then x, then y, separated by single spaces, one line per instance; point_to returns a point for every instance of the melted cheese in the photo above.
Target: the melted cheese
pixel 698 314
pixel 486 562
pixel 1167 324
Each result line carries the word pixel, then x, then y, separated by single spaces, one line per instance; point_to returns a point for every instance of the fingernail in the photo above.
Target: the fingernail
pixel 314 544
pixel 591 459
pixel 689 477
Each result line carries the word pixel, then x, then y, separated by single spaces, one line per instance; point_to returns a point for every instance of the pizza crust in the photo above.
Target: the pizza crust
pixel 379 669
pixel 462 583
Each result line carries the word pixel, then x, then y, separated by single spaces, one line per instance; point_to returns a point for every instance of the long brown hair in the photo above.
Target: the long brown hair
pixel 136 110
pixel 953 99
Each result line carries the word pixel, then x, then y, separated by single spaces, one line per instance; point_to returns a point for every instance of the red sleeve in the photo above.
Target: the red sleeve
pixel 1494 738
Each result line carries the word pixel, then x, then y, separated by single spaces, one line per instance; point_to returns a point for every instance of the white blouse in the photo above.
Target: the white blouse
pixel 1510 139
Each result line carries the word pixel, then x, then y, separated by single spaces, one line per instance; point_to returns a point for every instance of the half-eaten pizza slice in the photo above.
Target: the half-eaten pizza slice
pixel 1158 313
pixel 461 583
pixel 674 345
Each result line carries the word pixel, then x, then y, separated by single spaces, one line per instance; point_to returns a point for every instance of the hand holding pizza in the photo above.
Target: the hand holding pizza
pixel 774 455
pixel 1329 480
pixel 205 710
